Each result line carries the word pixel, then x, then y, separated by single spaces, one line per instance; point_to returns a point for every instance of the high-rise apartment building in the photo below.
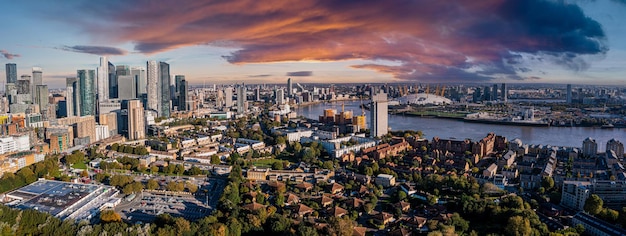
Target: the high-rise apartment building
pixel 241 98
pixel 378 115
pixel 590 147
pixel 132 115
pixel 87 86
pixel 228 96
pixel 11 71
pixel 280 97
pixel 164 86
pixel 616 146
pixel 23 85
pixel 103 80
pixel 153 86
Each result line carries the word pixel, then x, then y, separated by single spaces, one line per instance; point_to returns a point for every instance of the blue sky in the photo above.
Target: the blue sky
pixel 513 41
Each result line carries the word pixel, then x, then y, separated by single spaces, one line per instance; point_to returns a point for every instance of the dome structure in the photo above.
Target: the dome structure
pixel 424 99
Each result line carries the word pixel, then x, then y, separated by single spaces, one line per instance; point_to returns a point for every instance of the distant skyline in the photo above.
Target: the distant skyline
pixel 321 41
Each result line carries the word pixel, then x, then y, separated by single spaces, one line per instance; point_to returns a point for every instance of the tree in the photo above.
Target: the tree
pixel 215 160
pixel 401 196
pixel 109 216
pixel 593 204
pixel 192 187
pixel 277 165
pixel 152 184
pixel 547 182
pixel 518 226
pixel 341 226
pixel 304 230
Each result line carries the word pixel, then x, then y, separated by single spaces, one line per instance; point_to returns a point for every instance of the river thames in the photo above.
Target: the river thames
pixel 447 129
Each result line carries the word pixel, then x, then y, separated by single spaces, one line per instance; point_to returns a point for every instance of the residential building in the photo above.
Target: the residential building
pixel 378 115
pixel 616 146
pixel 590 147
pixel 152 88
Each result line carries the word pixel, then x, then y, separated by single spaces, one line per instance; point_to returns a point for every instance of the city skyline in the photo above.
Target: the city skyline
pixel 324 42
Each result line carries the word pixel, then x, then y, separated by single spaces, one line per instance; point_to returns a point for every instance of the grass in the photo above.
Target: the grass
pixel 79 165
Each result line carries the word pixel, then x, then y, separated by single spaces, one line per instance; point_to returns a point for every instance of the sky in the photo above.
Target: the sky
pixel 324 41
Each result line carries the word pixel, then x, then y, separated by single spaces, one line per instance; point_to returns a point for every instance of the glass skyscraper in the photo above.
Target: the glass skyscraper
pixel 164 87
pixel 87 86
pixel 11 70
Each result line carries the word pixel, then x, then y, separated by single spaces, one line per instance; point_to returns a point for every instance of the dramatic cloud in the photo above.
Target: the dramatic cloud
pixel 300 73
pixel 455 40
pixel 96 50
pixel 7 54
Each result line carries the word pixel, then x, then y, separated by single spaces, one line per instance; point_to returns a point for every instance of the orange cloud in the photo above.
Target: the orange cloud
pixel 430 40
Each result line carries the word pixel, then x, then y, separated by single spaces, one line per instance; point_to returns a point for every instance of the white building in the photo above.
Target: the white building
pixel 153 86
pixel 378 115
pixel 103 79
pixel 102 132
pixel 575 193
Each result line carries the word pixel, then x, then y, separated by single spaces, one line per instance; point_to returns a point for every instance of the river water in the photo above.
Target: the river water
pixel 446 129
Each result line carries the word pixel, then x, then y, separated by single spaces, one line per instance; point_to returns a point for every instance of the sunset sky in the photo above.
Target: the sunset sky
pixel 325 41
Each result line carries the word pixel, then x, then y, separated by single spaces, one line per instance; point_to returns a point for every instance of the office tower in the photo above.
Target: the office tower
pixel 378 115
pixel 176 91
pixel 139 73
pixel 504 93
pixel 183 96
pixel 569 93
pixel 103 80
pixel 132 119
pixel 241 98
pixel 280 97
pixel 153 86
pixel 122 70
pixel 164 86
pixel 590 147
pixel 476 97
pixel 87 90
pixel 126 87
pixel 41 97
pixel 11 70
pixel 494 92
pixel 289 87
pixel 228 96
pixel 71 97
pixel 112 81
pixel 616 146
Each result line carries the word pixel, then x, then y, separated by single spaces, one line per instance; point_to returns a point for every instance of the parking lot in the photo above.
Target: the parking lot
pixel 148 204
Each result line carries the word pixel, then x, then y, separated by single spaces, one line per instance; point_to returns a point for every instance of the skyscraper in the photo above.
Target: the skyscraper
pixel 164 86
pixel 71 98
pixel 494 92
pixel 378 115
pixel 41 97
pixel 11 70
pixel 504 92
pixel 132 114
pixel 153 86
pixel 569 93
pixel 112 81
pixel 590 147
pixel 37 80
pixel 241 98
pixel 178 79
pixel 183 97
pixel 228 96
pixel 126 87
pixel 289 87
pixel 86 80
pixel 140 78
pixel 24 85
pixel 103 80
pixel 280 97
